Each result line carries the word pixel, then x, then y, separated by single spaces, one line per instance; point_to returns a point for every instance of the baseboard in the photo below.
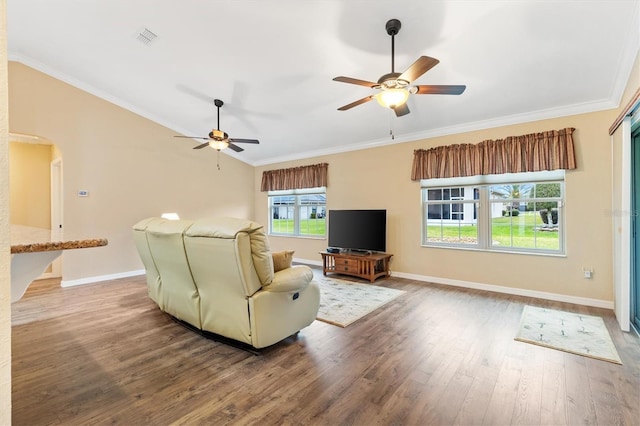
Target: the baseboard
pixel 586 301
pixel 308 262
pixel 606 304
pixel 90 280
pixel 99 278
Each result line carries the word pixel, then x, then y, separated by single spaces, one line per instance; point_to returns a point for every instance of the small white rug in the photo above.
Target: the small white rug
pixel 578 334
pixel 344 302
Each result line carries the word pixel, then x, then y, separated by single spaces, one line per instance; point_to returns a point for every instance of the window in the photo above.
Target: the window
pixel 520 212
pixel 446 211
pixel 299 212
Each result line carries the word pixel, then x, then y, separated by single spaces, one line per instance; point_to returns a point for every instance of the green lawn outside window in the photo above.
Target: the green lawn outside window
pixel 310 227
pixel 512 231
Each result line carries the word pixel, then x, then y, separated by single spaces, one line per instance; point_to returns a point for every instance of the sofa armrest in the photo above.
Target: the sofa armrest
pixel 294 278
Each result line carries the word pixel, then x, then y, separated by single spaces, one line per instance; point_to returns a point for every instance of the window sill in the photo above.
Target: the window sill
pixel 305 237
pixel 507 251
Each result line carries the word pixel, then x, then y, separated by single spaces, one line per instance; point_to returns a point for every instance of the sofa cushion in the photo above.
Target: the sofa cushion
pixel 282 260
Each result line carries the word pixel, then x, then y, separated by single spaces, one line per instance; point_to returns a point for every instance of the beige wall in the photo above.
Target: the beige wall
pixel 380 178
pixel 5 257
pixel 30 184
pixel 133 168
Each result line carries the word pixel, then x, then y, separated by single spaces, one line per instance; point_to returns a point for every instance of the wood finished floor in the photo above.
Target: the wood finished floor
pixel 104 354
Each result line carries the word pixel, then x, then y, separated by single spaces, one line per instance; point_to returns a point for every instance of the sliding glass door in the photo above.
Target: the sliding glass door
pixel 635 227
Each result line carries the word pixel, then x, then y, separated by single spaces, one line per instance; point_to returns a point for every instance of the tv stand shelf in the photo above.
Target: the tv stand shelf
pixel 362 265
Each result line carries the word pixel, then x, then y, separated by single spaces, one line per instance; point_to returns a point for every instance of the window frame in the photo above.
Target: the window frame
pixel 297 207
pixel 483 221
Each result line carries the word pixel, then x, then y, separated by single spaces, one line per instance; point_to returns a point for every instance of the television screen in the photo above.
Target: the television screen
pixel 358 229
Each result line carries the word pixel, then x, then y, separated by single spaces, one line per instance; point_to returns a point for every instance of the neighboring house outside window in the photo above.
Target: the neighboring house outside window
pixel 298 212
pixel 520 212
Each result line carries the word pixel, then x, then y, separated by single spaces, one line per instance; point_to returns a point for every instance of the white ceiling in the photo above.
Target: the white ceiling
pixel 272 63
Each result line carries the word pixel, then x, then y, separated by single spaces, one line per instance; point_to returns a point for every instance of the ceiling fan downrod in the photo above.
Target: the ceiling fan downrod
pixel 218 103
pixel 220 138
pixel 393 27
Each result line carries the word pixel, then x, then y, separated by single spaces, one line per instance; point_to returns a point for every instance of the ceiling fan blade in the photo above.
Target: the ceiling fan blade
pixel 202 145
pixel 236 148
pixel 401 110
pixel 356 103
pixel 193 137
pixel 234 140
pixel 355 81
pixel 419 67
pixel 440 90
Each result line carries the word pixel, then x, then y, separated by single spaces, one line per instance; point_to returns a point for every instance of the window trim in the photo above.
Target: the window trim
pixel 505 178
pixel 483 220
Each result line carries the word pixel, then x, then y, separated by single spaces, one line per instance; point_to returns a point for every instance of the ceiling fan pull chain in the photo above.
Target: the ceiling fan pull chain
pixel 393 137
pixel 218 159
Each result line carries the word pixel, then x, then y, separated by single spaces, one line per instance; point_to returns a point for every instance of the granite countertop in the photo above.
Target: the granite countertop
pixel 27 239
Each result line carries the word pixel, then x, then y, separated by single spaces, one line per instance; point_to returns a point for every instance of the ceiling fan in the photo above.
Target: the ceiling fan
pixel 394 88
pixel 218 139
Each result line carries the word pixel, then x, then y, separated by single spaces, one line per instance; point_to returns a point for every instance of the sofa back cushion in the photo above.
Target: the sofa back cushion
pixel 153 276
pixel 178 293
pixel 229 228
pixel 220 253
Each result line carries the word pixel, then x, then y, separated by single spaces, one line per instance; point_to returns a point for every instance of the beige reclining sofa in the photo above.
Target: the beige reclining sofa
pixel 217 275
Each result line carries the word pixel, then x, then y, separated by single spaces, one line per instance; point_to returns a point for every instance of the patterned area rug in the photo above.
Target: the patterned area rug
pixel 344 302
pixel 574 333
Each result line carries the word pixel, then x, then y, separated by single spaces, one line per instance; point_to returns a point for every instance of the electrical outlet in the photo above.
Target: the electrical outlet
pixel 588 272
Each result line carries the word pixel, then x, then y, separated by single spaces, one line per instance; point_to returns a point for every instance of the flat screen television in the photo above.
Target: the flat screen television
pixel 358 230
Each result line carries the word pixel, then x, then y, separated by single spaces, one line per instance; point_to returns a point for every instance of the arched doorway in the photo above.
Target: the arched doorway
pixel 35 186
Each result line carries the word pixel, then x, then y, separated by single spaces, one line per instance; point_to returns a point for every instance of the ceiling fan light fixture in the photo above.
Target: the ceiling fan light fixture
pixel 219 145
pixel 392 98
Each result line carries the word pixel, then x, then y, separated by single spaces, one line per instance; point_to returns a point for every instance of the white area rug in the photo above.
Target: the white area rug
pixel 579 334
pixel 344 302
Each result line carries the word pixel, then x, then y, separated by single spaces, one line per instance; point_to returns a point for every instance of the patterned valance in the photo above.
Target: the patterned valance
pixel 549 150
pixel 312 176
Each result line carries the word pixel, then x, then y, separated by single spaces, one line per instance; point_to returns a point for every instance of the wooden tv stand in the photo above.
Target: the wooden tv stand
pixel 369 266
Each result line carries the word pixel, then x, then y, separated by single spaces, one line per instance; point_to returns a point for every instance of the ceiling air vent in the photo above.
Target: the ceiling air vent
pixel 146 36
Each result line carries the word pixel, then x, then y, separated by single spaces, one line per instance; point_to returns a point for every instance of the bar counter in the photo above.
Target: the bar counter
pixel 33 249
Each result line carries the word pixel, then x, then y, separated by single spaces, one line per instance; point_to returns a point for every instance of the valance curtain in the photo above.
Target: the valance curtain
pixel 312 176
pixel 550 150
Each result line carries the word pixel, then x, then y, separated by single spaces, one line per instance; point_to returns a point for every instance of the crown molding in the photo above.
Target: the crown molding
pixel 563 111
